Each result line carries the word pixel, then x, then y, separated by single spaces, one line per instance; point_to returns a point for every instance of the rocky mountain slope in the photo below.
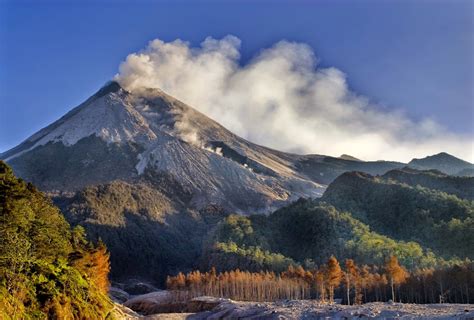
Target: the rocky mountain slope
pixel 116 135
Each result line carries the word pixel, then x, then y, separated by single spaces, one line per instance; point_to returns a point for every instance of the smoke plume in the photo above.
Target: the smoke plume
pixel 282 99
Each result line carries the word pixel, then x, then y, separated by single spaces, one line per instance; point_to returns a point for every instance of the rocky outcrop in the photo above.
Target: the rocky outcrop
pixel 154 302
pixel 171 302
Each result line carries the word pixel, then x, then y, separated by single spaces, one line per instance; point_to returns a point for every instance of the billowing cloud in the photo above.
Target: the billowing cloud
pixel 282 99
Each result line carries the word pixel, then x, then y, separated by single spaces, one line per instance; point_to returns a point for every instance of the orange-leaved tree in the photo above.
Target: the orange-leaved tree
pixel 395 273
pixel 334 276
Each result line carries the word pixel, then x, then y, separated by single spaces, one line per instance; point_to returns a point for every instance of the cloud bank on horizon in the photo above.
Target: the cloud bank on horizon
pixel 282 99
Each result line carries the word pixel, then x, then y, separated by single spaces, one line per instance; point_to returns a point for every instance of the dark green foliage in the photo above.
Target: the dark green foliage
pixel 148 233
pixel 40 258
pixel 430 217
pixel 151 232
pixel 462 187
pixel 228 256
pixel 302 232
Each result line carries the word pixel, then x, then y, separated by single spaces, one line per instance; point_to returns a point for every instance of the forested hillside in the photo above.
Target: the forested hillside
pixel 149 233
pixel 47 269
pixel 462 187
pixel 307 232
pixel 435 219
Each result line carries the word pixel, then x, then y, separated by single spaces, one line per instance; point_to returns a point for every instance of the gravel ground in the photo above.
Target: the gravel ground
pixel 310 309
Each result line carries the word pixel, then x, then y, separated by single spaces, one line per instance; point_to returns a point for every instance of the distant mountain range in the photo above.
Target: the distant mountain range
pixel 145 171
pixel 445 163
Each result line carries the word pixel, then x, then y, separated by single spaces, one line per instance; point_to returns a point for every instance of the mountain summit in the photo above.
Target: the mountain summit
pixel 119 135
pixel 443 162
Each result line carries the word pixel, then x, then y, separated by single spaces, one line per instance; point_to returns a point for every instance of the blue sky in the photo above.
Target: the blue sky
pixel 414 55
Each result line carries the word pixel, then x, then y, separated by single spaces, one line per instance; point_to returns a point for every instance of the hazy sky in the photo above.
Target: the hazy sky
pixel 414 57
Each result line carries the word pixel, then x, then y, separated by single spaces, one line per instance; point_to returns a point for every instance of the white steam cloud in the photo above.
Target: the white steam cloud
pixel 282 99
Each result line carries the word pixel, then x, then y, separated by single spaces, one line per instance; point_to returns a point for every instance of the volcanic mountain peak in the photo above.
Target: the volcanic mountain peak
pixel 117 134
pixel 107 115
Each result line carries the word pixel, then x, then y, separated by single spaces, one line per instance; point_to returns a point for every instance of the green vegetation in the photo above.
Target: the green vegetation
pixel 305 232
pixel 432 218
pixel 228 255
pixel 461 187
pixel 47 269
pixel 148 233
pixel 152 233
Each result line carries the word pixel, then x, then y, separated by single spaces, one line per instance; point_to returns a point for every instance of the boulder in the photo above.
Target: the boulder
pixel 136 287
pixel 118 295
pixel 204 303
pixel 161 301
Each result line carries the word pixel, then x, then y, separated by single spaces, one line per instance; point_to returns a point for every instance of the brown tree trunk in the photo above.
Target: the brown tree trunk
pixel 393 291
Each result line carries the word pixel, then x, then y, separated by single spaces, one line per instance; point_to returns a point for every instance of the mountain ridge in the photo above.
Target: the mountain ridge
pixel 443 162
pixel 118 135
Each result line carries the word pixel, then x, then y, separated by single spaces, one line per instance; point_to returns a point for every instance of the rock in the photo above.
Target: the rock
pixel 118 295
pixel 123 313
pixel 204 303
pixel 155 302
pixel 174 316
pixel 136 287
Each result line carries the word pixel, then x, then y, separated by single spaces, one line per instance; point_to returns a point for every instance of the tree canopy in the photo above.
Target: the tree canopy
pixel 47 269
